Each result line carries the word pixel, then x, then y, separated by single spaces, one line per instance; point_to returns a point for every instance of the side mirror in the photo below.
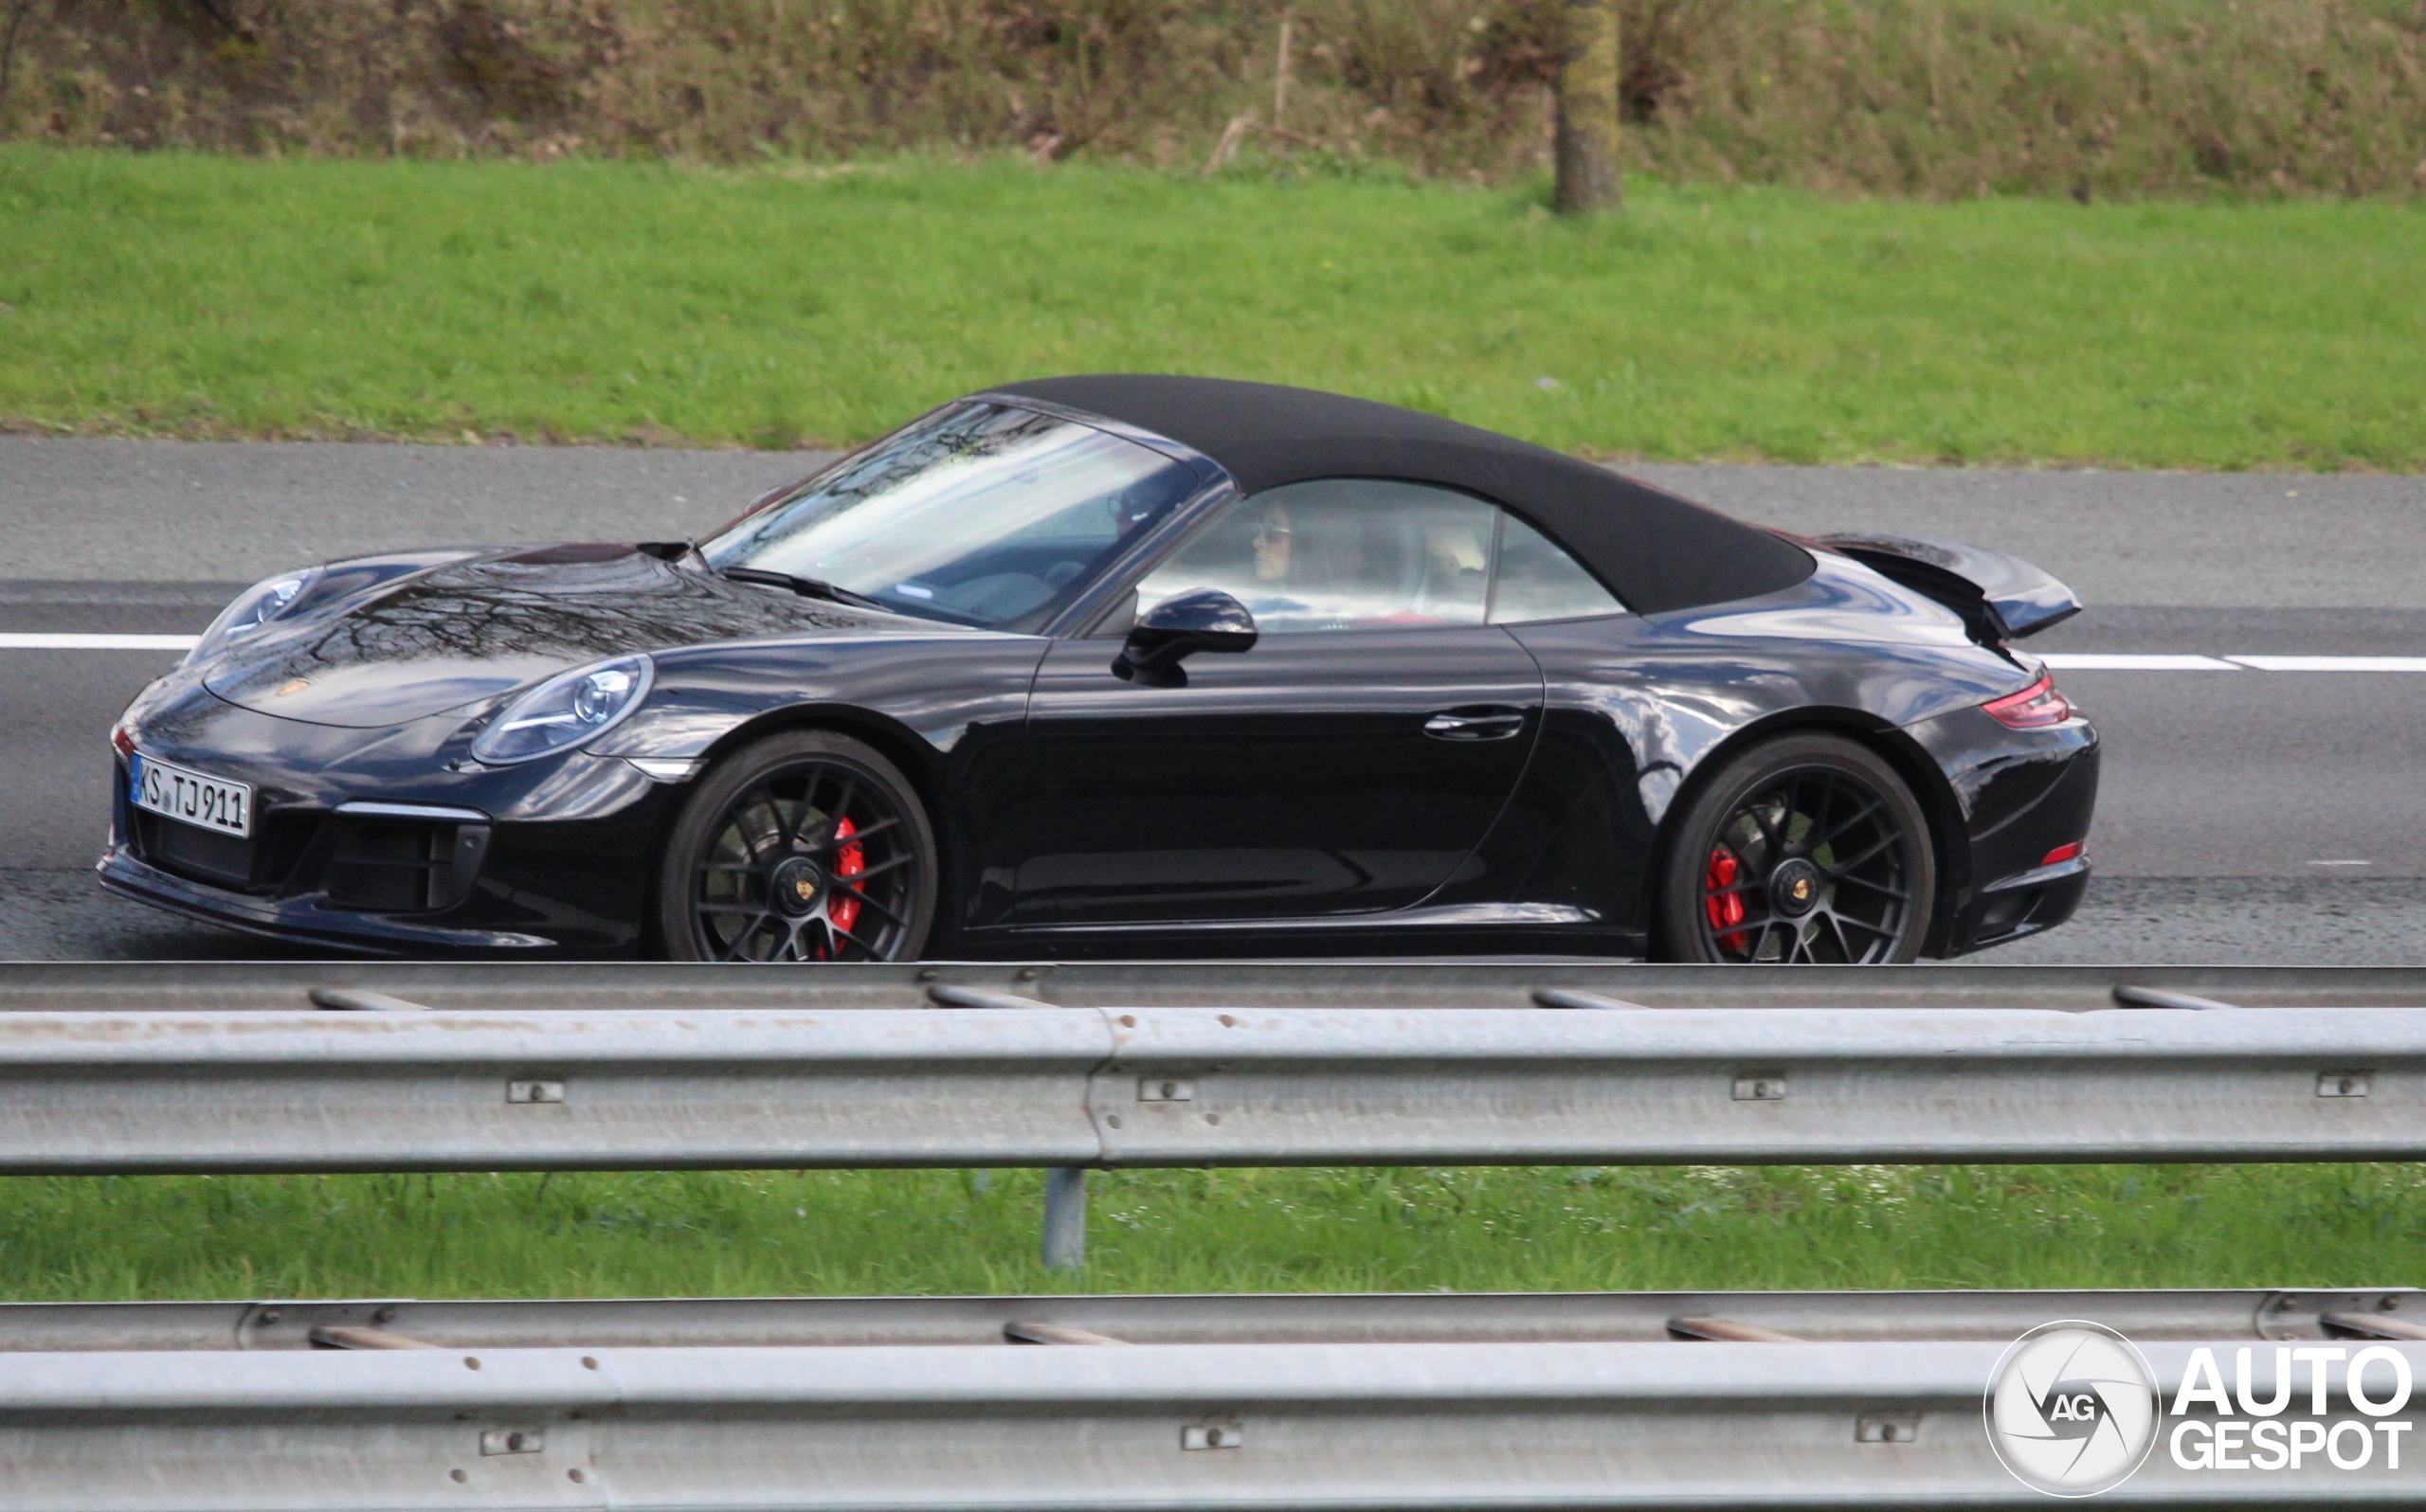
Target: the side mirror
pixel 1204 619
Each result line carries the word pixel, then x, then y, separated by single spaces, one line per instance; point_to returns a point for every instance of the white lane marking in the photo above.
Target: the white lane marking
pixel 2168 661
pixel 46 641
pixel 2124 661
pixel 2342 863
pixel 2334 663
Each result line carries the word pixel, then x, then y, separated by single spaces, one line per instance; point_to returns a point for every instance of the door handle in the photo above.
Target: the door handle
pixel 1476 724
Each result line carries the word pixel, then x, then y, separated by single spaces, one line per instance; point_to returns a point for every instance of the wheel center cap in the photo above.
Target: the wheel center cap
pixel 796 885
pixel 1795 888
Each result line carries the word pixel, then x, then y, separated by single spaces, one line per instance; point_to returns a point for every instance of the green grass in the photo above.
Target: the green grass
pixel 264 298
pixel 104 1238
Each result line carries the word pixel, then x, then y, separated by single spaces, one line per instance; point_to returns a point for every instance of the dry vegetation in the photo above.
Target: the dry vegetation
pixel 1939 98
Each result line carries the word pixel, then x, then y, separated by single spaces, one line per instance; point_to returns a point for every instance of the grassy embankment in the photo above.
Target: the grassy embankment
pixel 592 300
pixel 1184 1230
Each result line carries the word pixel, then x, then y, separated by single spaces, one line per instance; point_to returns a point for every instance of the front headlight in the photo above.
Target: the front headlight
pixel 252 609
pixel 567 709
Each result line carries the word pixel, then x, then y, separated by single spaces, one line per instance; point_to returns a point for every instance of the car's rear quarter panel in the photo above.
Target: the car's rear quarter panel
pixel 1640 707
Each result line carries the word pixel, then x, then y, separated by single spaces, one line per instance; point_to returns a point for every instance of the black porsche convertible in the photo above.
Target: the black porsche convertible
pixel 1131 664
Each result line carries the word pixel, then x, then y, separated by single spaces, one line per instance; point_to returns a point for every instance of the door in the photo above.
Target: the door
pixel 1345 765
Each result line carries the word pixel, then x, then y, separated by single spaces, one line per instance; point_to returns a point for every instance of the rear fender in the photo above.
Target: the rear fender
pixel 1920 769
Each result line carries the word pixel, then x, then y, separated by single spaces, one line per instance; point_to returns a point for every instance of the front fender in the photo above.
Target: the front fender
pixel 947 708
pixel 938 688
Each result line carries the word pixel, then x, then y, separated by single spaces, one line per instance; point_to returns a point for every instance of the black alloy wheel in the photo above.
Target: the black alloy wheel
pixel 808 847
pixel 1806 849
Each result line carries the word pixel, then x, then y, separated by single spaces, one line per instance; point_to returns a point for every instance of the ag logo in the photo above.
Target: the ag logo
pixel 1801 890
pixel 2072 1408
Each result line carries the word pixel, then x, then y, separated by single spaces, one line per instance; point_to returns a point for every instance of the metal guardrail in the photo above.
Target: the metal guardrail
pixel 578 1089
pixel 1345 1414
pixel 336 1067
pixel 2247 1315
pixel 1711 1400
pixel 1450 983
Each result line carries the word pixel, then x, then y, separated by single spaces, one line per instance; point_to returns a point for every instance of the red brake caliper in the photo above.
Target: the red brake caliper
pixel 1725 908
pixel 843 908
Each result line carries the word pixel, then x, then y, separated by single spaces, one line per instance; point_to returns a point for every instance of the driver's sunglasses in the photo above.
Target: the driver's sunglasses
pixel 1267 533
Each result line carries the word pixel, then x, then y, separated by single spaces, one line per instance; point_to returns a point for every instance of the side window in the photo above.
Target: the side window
pixel 1342 553
pixel 1537 580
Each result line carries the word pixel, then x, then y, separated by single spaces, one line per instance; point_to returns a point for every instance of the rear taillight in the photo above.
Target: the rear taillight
pixel 2034 708
pixel 2063 853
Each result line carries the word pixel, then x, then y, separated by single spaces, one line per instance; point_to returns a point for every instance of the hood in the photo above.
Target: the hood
pixel 471 630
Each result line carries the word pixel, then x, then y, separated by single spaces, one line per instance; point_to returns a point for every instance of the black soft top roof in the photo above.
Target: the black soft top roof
pixel 1656 550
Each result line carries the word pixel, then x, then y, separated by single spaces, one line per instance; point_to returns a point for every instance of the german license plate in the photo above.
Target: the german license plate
pixel 212 803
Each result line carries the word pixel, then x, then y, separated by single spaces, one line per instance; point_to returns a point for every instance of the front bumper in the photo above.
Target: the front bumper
pixel 300 919
pixel 581 886
pixel 557 854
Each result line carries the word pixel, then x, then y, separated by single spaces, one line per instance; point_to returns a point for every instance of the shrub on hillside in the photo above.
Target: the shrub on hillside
pixel 1932 97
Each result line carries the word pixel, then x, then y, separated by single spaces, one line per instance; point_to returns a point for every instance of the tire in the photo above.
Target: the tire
pixel 803 847
pixel 1806 849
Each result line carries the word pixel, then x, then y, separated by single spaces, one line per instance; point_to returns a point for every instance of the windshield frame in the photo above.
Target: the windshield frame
pixel 1085 599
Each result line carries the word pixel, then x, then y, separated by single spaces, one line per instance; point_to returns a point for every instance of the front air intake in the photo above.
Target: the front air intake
pixel 401 866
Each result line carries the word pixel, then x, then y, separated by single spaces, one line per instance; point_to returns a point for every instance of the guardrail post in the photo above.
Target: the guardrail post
pixel 1065 1218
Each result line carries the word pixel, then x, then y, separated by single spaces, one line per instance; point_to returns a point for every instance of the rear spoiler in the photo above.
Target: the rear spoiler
pixel 2000 598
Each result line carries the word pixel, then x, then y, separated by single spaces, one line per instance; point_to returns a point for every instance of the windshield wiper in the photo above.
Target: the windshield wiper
pixel 805 587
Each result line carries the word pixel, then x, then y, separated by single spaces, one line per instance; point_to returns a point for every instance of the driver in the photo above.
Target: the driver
pixel 1272 545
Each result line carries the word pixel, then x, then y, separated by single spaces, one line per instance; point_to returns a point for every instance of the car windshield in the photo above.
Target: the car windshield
pixel 980 514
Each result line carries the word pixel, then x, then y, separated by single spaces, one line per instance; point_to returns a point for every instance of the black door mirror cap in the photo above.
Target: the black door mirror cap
pixel 1198 620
